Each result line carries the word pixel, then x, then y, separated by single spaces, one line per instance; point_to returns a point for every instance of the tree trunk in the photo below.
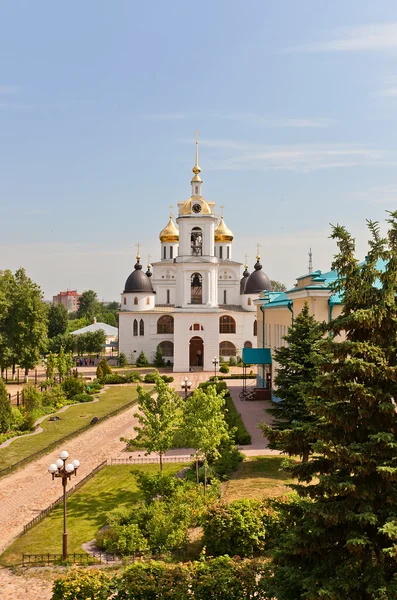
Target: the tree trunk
pixel 305 455
pixel 161 462
pixel 197 475
pixel 205 478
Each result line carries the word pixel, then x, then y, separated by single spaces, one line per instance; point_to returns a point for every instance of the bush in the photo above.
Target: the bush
pixel 73 386
pixel 123 540
pixel 142 361
pixel 220 385
pixel 233 376
pixel 17 418
pixel 224 369
pixel 103 369
pixel 235 529
pixel 228 461
pixel 167 378
pixel 151 377
pixel 99 373
pixel 32 398
pixel 82 584
pixel 54 396
pixel 232 362
pixel 234 421
pixel 113 378
pixel 132 376
pixel 158 359
pixel 154 485
pixel 82 398
pixel 122 360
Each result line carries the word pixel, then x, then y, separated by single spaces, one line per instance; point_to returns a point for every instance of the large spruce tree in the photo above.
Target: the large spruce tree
pixel 342 539
pixel 298 366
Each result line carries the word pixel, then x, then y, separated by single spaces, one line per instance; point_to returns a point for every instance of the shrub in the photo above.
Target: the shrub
pixel 233 376
pixel 82 398
pixel 234 421
pixel 73 386
pixel 32 398
pixel 99 372
pixel 132 376
pixel 151 377
pixel 142 361
pixel 154 581
pixel 167 378
pixel 124 540
pixel 103 369
pixel 153 485
pixel 113 378
pixel 17 418
pixel 54 396
pixel 234 529
pixel 228 461
pixel 122 360
pixel 232 362
pixel 82 584
pixel 158 359
pixel 224 369
pixel 220 385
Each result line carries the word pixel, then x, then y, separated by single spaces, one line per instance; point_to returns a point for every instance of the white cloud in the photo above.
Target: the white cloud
pixel 364 38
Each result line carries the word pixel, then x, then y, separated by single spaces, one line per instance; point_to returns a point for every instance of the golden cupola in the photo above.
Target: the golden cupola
pixel 170 233
pixel 222 232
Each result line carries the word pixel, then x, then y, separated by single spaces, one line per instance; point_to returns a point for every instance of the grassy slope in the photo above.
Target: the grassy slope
pixel 86 509
pixel 73 419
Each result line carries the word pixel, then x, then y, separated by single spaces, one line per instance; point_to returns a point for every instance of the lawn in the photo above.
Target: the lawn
pixel 258 477
pixel 113 486
pixel 73 419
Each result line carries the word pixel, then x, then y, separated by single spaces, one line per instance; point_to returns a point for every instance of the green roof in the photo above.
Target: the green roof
pixel 257 356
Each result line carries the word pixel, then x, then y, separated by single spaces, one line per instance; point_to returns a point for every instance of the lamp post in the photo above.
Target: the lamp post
pixel 215 362
pixel 64 471
pixel 186 385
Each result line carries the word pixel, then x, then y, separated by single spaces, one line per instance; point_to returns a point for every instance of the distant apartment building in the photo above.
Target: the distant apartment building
pixel 70 300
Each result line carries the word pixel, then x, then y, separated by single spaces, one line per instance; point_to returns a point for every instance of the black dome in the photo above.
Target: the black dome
pixel 138 281
pixel 243 280
pixel 258 281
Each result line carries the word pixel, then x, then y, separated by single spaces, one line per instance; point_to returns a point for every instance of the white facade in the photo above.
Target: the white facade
pixel 192 306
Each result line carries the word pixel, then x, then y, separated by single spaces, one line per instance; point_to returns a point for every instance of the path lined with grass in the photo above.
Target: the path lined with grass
pixel 26 492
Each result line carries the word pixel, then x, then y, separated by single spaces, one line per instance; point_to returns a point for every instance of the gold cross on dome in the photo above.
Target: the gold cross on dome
pixel 171 207
pixel 148 261
pixel 197 136
pixel 138 247
pixel 258 245
pixel 221 207
pixel 246 259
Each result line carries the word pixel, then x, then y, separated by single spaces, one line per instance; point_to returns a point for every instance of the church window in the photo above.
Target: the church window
pixel 228 252
pixel 165 252
pixel 220 252
pixel 168 296
pixel 165 324
pixel 125 300
pixel 135 300
pixel 196 287
pixel 224 297
pixel 227 324
pixel 196 189
pixel 255 328
pixel 196 241
pixel 141 327
pixel 167 348
pixel 171 251
pixel 227 349
pixel 135 327
pixel 196 327
pixel 247 345
pixel 148 300
pixel 249 302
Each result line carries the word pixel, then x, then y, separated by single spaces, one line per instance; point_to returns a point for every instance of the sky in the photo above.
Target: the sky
pixel 295 102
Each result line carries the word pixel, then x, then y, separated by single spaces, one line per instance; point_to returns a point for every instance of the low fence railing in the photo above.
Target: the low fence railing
pixel 145 460
pixel 101 557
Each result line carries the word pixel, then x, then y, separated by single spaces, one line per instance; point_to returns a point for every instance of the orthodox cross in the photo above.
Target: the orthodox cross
pixel 246 260
pixel 138 247
pixel 221 207
pixel 258 245
pixel 197 136
pixel 171 207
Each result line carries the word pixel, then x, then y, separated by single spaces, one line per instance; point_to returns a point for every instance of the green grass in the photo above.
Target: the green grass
pixel 73 419
pixel 258 477
pixel 112 487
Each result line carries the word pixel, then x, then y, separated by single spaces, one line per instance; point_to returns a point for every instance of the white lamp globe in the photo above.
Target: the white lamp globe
pixel 58 463
pixel 64 454
pixel 52 468
pixel 76 463
pixel 69 468
pixel 189 384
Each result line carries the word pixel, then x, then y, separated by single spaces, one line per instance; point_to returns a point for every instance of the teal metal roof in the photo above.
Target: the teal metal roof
pixel 257 356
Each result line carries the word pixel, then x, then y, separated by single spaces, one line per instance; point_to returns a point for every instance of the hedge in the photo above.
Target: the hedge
pixel 234 376
pixel 233 419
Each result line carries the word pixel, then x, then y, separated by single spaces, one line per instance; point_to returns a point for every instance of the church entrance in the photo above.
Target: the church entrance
pixel 196 353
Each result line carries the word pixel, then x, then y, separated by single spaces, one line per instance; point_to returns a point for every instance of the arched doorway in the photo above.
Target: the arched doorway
pixel 196 352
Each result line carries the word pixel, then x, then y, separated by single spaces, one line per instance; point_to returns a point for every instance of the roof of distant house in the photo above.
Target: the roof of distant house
pixel 109 330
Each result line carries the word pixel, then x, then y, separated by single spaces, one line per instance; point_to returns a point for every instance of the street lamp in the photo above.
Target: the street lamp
pixel 186 385
pixel 64 471
pixel 215 362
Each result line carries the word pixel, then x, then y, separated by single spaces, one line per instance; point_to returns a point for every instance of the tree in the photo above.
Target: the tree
pixel 57 320
pixel 348 494
pixel 204 427
pixel 277 286
pixel 88 305
pixel 158 359
pixel 5 409
pixel 64 340
pixel 6 286
pixel 142 361
pixel 158 419
pixel 95 341
pixel 64 363
pixel 298 367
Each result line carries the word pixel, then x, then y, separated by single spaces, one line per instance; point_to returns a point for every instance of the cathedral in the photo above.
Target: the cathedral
pixel 193 302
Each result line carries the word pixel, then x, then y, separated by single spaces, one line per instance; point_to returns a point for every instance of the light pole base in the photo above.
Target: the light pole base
pixel 65 546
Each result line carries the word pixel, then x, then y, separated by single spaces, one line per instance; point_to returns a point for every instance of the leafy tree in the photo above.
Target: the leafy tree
pixel 88 305
pixel 142 361
pixel 158 359
pixel 298 367
pixel 64 363
pixel 6 286
pixel 51 365
pixel 158 419
pixel 277 286
pixel 64 340
pixel 74 324
pixel 348 493
pixel 203 425
pixel 94 341
pixel 6 416
pixel 57 320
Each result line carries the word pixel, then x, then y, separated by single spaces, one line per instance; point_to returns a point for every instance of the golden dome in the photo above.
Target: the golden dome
pixel 223 233
pixel 170 233
pixel 186 209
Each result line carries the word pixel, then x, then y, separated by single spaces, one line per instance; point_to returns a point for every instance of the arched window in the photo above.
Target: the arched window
pixel 167 348
pixel 125 300
pixel 247 345
pixel 196 327
pixel 196 242
pixel 141 327
pixel 227 324
pixel 196 287
pixel 249 302
pixel 227 349
pixel 255 327
pixel 165 324
pixel 135 327
pixel 135 300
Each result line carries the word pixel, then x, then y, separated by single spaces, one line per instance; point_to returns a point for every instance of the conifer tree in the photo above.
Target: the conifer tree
pixel 342 539
pixel 292 427
pixel 5 409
